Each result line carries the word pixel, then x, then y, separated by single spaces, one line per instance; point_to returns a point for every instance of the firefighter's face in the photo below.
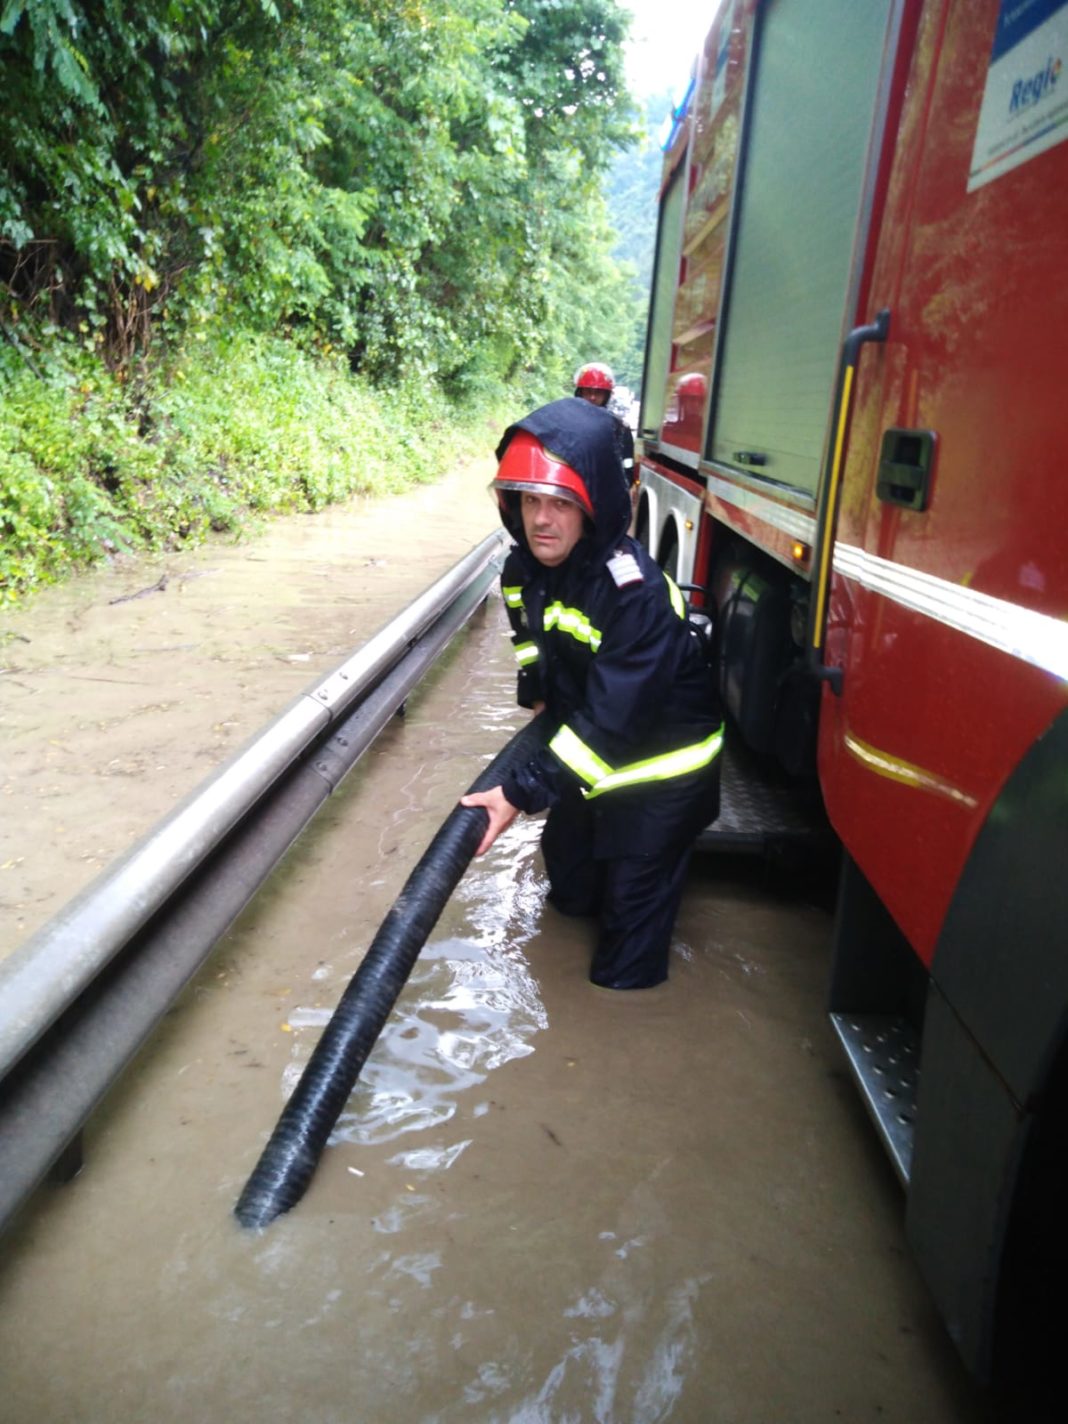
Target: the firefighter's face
pixel 553 527
pixel 595 397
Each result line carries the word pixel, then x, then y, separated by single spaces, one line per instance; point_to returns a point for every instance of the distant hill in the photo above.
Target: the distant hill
pixel 630 190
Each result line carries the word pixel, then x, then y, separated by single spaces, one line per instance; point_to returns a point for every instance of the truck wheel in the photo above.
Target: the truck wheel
pixel 1033 1313
pixel 669 557
pixel 641 525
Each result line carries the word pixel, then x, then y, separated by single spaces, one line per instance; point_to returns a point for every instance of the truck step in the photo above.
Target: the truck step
pixel 760 809
pixel 884 1052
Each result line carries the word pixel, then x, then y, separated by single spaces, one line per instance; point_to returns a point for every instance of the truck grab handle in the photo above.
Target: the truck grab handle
pixel 876 330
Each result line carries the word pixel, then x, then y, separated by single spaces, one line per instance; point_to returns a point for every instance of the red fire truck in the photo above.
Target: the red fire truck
pixel 855 440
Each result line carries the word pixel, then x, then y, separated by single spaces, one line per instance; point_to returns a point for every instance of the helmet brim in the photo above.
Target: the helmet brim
pixel 552 490
pixel 527 466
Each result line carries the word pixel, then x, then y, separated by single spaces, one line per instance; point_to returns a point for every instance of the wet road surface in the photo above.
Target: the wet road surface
pixel 545 1201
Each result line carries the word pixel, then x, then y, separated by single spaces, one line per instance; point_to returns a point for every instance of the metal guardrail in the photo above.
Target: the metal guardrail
pixel 80 997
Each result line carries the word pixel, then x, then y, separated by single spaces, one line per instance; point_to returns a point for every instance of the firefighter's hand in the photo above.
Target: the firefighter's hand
pixel 537 708
pixel 501 814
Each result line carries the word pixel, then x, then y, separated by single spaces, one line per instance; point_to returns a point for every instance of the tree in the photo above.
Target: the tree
pixel 413 181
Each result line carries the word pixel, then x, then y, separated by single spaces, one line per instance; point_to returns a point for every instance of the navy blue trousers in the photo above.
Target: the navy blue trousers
pixel 634 897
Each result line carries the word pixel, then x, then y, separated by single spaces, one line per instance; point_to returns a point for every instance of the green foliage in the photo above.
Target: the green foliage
pixel 214 214
pixel 409 180
pixel 631 188
pixel 90 467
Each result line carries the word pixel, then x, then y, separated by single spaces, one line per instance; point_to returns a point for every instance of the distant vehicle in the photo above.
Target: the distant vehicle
pixel 854 430
pixel 626 406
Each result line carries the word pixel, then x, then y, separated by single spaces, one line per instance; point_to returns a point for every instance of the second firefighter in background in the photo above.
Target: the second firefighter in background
pixel 630 773
pixel 594 382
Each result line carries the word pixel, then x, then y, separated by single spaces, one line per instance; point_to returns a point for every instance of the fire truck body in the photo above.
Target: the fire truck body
pixel 855 386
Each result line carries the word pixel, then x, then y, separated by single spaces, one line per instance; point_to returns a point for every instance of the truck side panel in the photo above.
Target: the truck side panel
pixel 949 619
pixel 943 761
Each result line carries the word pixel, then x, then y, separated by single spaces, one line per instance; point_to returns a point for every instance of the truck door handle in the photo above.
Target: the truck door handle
pixel 827 511
pixel 905 464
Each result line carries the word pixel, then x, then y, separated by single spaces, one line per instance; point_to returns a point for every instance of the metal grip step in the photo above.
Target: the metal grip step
pixel 884 1052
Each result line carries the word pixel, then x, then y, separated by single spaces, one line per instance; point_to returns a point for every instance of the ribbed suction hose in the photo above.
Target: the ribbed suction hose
pixel 287 1163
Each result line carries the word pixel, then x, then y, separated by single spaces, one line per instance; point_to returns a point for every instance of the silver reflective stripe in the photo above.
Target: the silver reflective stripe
pixel 600 777
pixel 513 596
pixel 526 653
pixel 1035 638
pixel 791 521
pixel 574 622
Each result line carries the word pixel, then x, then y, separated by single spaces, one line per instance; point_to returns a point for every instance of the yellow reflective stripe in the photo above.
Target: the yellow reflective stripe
pixel 600 777
pixel 526 653
pixel 660 768
pixel 513 596
pixel 573 621
pixel 578 757
pixel 677 600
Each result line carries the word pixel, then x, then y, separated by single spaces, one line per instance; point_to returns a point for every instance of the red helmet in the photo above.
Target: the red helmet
pixel 527 466
pixel 595 376
pixel 691 392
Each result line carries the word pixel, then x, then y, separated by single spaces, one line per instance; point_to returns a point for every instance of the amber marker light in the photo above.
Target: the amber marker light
pixel 689 524
pixel 801 552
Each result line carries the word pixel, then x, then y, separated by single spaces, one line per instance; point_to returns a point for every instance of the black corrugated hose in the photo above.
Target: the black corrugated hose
pixel 285 1168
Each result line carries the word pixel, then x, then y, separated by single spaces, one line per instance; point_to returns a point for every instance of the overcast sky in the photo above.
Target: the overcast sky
pixel 665 37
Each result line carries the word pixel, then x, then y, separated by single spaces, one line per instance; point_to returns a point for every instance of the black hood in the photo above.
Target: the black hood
pixel 584 436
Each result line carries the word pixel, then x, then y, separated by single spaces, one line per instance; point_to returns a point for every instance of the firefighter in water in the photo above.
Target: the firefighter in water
pixel 630 773
pixel 595 383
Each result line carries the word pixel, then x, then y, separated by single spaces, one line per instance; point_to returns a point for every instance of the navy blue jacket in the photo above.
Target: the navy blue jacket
pixel 603 642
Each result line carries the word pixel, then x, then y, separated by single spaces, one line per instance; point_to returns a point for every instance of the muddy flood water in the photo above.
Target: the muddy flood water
pixel 545 1203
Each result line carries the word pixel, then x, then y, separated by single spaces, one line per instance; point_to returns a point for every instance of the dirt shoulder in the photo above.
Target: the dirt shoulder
pixel 122 690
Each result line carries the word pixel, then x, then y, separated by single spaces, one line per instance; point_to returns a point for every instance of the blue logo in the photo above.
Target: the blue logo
pixel 1026 93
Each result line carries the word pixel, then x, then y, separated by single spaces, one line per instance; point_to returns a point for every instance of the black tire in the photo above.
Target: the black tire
pixel 1032 1310
pixel 641 526
pixel 669 558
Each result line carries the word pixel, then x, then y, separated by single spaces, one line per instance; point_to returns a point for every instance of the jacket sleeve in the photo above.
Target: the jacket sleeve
pixel 528 670
pixel 640 654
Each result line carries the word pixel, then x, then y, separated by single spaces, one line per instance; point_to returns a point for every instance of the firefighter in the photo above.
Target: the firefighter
pixel 594 382
pixel 630 773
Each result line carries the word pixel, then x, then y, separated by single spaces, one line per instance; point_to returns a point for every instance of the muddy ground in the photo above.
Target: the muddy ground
pixel 545 1202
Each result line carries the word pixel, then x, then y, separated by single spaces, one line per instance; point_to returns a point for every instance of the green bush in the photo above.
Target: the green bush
pixel 91 465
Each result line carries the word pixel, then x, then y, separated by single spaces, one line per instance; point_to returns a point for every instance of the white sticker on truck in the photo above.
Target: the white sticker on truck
pixel 1025 100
